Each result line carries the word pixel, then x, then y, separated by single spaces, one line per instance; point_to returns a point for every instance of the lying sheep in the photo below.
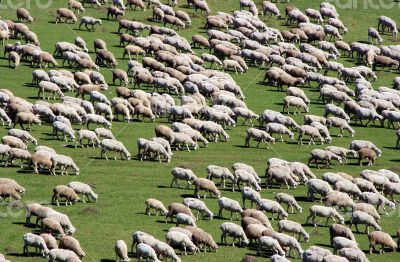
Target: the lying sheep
pixel 323 211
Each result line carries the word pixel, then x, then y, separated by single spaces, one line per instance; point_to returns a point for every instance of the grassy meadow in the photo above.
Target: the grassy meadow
pixel 123 186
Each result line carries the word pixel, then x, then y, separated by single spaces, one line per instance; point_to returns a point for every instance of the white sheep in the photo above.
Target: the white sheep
pixel 166 251
pixel 342 242
pixel 246 177
pixel 89 21
pixel 65 129
pixel 121 251
pixel 214 171
pixel 360 217
pixel 230 205
pixel 84 189
pixel 91 136
pixel 178 239
pixel 179 173
pixel 145 251
pixel 353 254
pixel 63 255
pixel 64 162
pixel 289 200
pixel 184 219
pixel 116 146
pixel 318 186
pixel 269 243
pixel 267 205
pixel 324 211
pixel 293 227
pixel 23 135
pixel 198 205
pixel 235 231
pixel 288 243
pixel 35 241
pixel 377 199
pixel 250 194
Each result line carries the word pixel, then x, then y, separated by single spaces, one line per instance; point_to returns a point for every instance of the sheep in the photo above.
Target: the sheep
pixel 337 230
pixel 310 131
pixel 178 239
pixel 89 21
pixel 376 199
pixel 185 219
pixel 66 192
pixel 214 171
pixel 70 243
pixel 84 189
pixel 267 205
pixel 234 231
pixel 75 5
pixel 97 119
pixel 142 237
pixel 246 177
pixel 166 251
pixel 213 131
pixel 205 184
pixel 64 162
pixel 259 135
pixel 152 148
pixel 121 251
pixel 353 254
pixel 288 243
pixel 230 205
pixel 50 224
pixel 104 133
pixel 67 14
pixel 35 241
pixel 65 129
pixel 26 117
pixel 251 194
pixel 246 114
pixel 339 199
pixel 270 243
pixel 360 217
pixel 280 174
pixel 293 227
pixel 17 153
pixel 50 241
pixel 289 200
pixel 336 111
pixel 198 205
pixel 280 129
pixel 145 251
pixel 341 151
pixel 358 144
pixel 324 211
pixel 116 146
pixel 342 242
pixel 379 237
pixel 182 174
pixel 318 186
pixel 63 255
pixel 4 117
pixel 342 124
pixel 366 153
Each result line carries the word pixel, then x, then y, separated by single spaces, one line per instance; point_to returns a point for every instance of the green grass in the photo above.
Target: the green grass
pixel 123 186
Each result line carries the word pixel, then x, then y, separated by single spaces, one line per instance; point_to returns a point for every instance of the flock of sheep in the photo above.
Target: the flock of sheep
pixel 210 103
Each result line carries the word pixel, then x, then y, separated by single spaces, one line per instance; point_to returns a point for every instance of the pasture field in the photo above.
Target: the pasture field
pixel 123 186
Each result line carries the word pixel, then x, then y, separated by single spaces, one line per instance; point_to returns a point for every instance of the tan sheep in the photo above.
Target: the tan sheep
pixel 26 118
pixel 41 159
pixel 381 238
pixel 367 153
pixel 9 191
pixel 23 15
pixel 207 185
pixel 52 225
pixel 176 208
pixel 202 238
pixel 257 214
pixel 50 241
pixel 66 192
pixel 68 242
pixel 67 14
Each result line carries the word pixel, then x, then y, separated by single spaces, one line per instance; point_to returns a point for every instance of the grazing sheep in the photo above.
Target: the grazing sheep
pixel 63 255
pixel 157 205
pixel 311 131
pixel 280 129
pixel 258 135
pixel 35 241
pixel 185 219
pixel 318 186
pixel 84 189
pixel 323 156
pixel 145 251
pixel 65 129
pixel 359 217
pixel 198 205
pixel 377 199
pixel 66 192
pixel 121 251
pixel 205 184
pixel 142 237
pixel 52 225
pixel 182 174
pixel 235 231
pixel 382 238
pixel 289 200
pixel 67 14
pixel 358 144
pixel 26 117
pixel 214 171
pixel 342 242
pixel 353 254
pixel 98 120
pixel 288 243
pixel 64 162
pixel 341 151
pixel 116 146
pixel 294 101
pixel 178 239
pixel 337 230
pixel 104 133
pixel 293 227
pixel 267 205
pixel 342 124
pixel 70 243
pixel 50 241
pixel 230 205
pixel 166 251
pixel 323 211
pixel 251 194
pixel 91 136
pixel 17 153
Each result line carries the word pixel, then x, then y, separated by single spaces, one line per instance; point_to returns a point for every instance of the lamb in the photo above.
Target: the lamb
pixel 379 237
pixel 65 192
pixel 64 162
pixel 230 205
pixel 35 241
pixel 360 217
pixel 234 231
pixel 323 211
pixel 293 227
pixel 353 254
pixel 26 117
pixel 121 251
pixel 259 135
pixel 63 255
pixel 267 205
pixel 182 174
pixel 337 230
pixel 219 172
pixel 288 243
pixel 89 21
pixel 70 243
pixel 84 189
pixel 289 200
pixel 358 144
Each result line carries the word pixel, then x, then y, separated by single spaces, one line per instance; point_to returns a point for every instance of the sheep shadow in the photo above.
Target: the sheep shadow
pixel 394 160
pixel 20 254
pixel 107 260
pixel 302 199
pixel 391 147
pixel 187 195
